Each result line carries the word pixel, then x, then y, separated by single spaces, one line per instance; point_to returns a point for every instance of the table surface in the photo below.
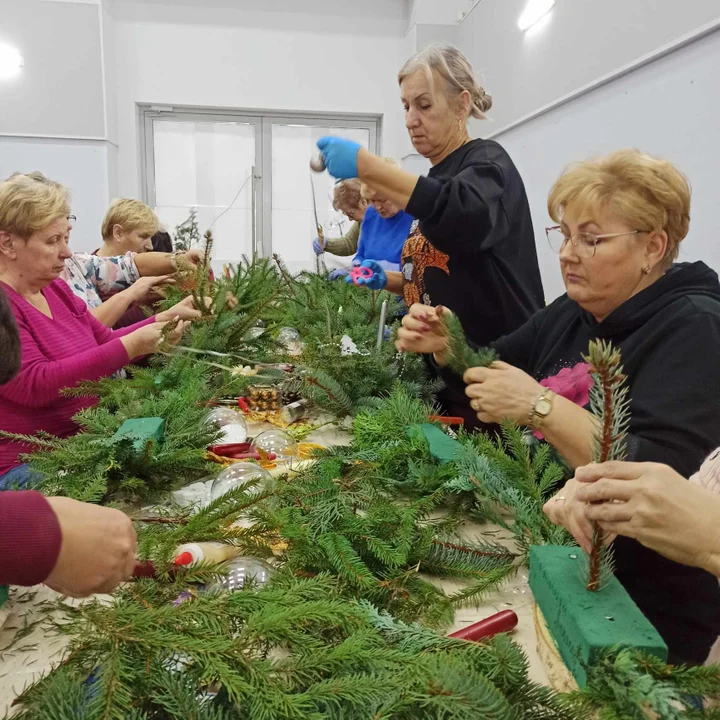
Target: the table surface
pixel 37 653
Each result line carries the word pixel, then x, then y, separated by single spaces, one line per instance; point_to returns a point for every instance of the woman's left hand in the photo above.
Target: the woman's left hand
pixel 565 509
pixel 501 392
pixel 194 257
pixel 185 310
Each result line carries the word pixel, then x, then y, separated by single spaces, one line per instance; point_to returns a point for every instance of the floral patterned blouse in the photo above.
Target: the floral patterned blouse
pixel 90 276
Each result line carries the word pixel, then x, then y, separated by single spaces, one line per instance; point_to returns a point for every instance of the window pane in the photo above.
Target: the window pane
pixel 293 221
pixel 204 165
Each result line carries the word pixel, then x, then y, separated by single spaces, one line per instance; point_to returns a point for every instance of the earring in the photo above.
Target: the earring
pixel 647 269
pixel 460 125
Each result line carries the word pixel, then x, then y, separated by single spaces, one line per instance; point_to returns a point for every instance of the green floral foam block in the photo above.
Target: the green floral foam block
pixel 141 431
pixel 584 624
pixel 3 595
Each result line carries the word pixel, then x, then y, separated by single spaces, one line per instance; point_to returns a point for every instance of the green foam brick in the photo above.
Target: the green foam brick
pixel 3 595
pixel 584 624
pixel 442 447
pixel 141 431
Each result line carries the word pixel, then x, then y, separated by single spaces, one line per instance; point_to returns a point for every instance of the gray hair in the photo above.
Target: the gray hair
pixel 457 71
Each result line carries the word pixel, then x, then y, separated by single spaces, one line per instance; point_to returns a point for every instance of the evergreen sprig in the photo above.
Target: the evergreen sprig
pixel 610 404
pixel 461 356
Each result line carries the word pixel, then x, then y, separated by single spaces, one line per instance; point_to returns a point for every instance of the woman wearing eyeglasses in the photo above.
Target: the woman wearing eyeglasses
pixel 61 342
pixel 620 223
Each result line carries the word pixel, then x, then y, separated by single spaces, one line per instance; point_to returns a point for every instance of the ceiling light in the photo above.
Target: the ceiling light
pixel 10 62
pixel 534 11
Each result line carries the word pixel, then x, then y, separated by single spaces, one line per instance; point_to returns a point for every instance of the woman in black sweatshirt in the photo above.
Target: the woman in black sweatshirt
pixel 622 219
pixel 472 247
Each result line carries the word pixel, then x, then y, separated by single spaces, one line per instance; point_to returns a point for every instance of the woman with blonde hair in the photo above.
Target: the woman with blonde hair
pixel 62 343
pixel 621 220
pixel 472 248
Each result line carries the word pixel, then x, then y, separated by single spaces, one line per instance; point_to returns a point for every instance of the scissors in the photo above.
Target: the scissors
pixel 319 260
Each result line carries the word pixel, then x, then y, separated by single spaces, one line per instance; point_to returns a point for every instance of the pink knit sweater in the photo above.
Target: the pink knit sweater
pixel 57 353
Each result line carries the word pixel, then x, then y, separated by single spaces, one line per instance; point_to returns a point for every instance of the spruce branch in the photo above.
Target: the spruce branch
pixel 460 355
pixel 609 403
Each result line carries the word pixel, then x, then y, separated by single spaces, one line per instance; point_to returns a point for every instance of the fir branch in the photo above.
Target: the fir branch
pixel 461 357
pixel 609 403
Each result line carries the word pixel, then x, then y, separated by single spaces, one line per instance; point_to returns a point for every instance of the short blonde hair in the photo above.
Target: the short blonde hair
pixel 131 215
pixel 648 193
pixel 455 69
pixel 27 206
pixel 366 191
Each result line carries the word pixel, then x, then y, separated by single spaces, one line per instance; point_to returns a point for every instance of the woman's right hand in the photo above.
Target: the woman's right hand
pixel 423 331
pixel 147 339
pixel 657 506
pixel 97 551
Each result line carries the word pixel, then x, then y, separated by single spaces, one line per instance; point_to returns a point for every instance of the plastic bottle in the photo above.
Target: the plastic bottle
pixel 192 554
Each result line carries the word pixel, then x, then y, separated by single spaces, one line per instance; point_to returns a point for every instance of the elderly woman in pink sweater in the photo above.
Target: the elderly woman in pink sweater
pixel 62 343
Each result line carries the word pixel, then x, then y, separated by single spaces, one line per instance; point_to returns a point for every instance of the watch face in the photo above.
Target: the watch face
pixel 543 407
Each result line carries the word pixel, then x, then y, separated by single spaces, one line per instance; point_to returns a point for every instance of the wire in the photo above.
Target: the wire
pixel 229 207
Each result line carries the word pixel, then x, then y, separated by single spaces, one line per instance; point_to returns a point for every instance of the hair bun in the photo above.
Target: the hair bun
pixel 483 101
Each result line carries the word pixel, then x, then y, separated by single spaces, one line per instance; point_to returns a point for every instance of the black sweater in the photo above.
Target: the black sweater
pixel 669 336
pixel 473 249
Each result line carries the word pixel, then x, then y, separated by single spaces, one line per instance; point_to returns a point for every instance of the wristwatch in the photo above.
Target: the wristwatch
pixel 541 408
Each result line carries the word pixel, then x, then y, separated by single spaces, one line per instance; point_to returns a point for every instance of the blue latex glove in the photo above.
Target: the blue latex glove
pixel 318 248
pixel 377 282
pixel 340 156
pixel 338 273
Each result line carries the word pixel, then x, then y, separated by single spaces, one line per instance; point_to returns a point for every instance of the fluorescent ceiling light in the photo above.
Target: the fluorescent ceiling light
pixel 10 62
pixel 534 11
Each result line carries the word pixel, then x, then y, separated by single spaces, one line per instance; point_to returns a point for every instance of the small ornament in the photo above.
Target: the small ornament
pixel 254 333
pixel 295 411
pixel 317 162
pixel 239 570
pixel 279 443
pixel 231 424
pixel 239 474
pixel 263 398
pixel 289 339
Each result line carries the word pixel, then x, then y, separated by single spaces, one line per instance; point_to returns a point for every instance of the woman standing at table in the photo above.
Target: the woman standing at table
pixel 472 247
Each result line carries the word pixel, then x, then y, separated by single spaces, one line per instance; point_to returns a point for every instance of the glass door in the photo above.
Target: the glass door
pixel 209 167
pixel 293 220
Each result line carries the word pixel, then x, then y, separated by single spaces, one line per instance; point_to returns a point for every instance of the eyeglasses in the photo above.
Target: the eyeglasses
pixel 585 244
pixel 71 220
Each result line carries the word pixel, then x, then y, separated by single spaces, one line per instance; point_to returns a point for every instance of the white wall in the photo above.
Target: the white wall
pixel 60 88
pixel 578 42
pixel 81 166
pixel 668 108
pixel 343 61
pixel 53 115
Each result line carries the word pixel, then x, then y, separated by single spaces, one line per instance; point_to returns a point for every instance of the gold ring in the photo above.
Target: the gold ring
pixel 560 498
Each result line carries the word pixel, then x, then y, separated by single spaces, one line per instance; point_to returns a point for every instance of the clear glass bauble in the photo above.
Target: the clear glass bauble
pixel 280 443
pixel 238 474
pixel 230 423
pixel 289 339
pixel 239 569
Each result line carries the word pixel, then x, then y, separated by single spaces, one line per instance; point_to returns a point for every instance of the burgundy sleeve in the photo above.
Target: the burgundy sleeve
pixel 40 380
pixel 30 538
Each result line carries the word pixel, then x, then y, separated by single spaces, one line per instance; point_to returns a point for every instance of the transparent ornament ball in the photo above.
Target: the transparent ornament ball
pixel 239 570
pixel 239 474
pixel 288 337
pixel 280 443
pixel 231 424
pixel 254 333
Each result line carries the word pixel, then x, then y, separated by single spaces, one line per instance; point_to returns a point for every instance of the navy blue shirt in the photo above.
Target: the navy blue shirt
pixel 382 239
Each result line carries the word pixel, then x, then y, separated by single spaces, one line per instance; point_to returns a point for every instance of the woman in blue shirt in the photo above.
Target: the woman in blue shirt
pixel 383 232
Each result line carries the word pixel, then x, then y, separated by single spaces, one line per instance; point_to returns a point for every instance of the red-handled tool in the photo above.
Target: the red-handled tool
pixel 144 569
pixel 502 622
pixel 446 420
